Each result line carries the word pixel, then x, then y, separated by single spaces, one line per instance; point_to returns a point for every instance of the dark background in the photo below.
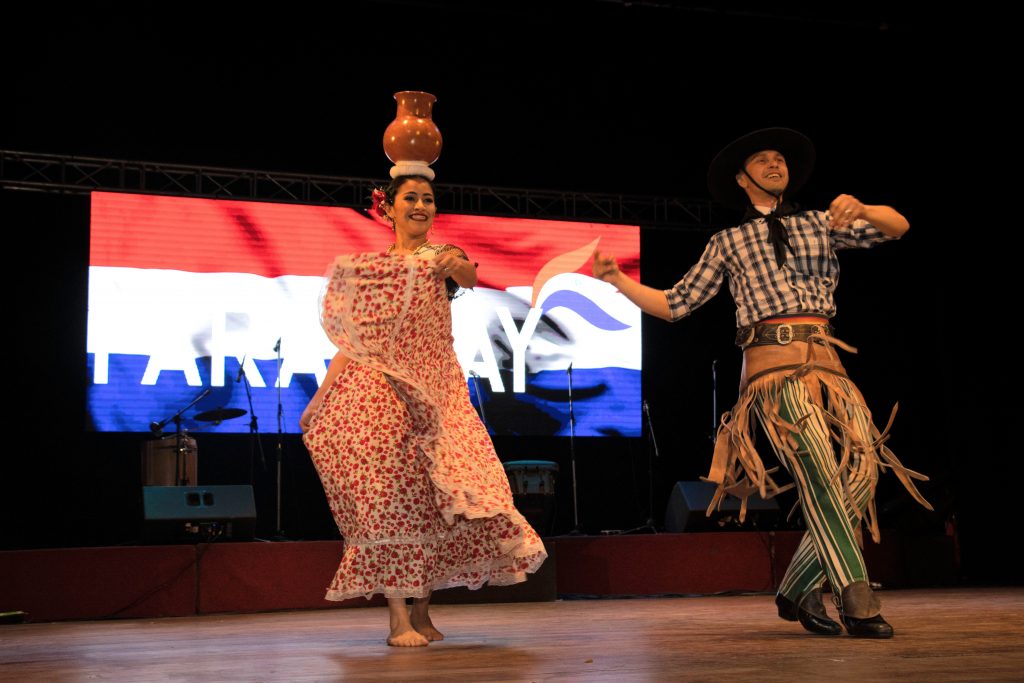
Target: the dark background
pixel 906 108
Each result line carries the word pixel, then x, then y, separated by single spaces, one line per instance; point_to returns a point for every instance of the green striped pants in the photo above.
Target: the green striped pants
pixel 833 502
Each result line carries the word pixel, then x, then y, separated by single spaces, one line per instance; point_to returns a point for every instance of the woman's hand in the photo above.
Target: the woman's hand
pixel 446 265
pixel 308 414
pixel 338 363
pixel 451 264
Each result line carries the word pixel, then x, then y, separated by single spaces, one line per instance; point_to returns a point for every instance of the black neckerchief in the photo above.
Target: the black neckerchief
pixel 777 233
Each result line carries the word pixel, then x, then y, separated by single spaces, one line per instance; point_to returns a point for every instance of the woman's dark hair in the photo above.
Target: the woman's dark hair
pixel 392 188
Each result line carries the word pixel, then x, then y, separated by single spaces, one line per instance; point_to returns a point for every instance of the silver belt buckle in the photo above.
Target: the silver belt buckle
pixel 784 334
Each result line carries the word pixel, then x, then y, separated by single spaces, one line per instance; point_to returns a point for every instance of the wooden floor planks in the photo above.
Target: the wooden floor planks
pixel 941 635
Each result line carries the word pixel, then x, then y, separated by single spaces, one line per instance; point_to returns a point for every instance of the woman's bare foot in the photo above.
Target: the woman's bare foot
pixel 409 638
pixel 426 629
pixel 402 632
pixel 419 617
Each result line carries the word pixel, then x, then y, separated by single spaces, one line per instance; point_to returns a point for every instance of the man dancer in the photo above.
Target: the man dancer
pixel 782 266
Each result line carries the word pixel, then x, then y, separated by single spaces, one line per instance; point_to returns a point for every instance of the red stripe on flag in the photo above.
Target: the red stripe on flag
pixel 215 236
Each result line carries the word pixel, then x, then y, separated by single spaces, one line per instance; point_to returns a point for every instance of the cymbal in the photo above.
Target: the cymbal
pixel 219 414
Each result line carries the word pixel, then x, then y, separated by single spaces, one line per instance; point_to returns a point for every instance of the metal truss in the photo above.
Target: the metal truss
pixel 75 174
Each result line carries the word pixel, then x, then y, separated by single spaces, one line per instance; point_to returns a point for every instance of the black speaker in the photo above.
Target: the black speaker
pixel 194 514
pixel 688 504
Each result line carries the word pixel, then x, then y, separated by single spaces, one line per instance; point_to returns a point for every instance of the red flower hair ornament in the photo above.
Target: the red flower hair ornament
pixel 379 198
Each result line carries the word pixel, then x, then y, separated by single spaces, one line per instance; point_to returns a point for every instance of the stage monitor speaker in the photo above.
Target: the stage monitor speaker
pixel 688 504
pixel 198 514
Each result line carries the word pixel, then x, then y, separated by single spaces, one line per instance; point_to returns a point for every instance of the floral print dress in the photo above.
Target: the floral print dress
pixel 410 473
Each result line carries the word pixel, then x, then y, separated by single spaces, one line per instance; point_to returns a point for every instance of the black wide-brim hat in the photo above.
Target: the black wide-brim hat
pixel 796 147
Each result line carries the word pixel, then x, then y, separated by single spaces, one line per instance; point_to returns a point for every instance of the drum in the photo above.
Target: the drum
pixel 532 476
pixel 164 465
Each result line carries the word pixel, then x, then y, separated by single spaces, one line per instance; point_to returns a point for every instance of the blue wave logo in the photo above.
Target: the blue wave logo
pixel 569 262
pixel 583 307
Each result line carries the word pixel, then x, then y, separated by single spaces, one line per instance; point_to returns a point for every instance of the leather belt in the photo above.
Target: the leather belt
pixel 761 334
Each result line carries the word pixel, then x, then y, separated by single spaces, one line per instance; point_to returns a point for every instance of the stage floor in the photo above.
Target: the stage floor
pixel 974 634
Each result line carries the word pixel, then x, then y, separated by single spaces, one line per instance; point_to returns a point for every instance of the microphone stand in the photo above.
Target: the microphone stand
pixel 577 529
pixel 255 443
pixel 653 448
pixel 279 532
pixel 157 429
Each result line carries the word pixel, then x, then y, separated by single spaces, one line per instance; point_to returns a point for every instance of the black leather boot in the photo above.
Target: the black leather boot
pixel 810 613
pixel 859 609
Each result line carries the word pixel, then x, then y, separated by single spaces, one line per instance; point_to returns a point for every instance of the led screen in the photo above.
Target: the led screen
pixel 218 299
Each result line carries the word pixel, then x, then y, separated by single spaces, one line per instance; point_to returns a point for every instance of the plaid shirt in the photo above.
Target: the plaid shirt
pixel 759 287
